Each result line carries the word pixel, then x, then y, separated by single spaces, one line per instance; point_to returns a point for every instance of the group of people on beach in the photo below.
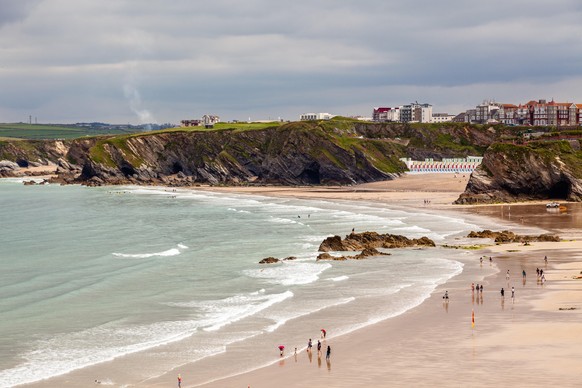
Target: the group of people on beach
pixel 310 347
pixel 319 345
pixel 478 288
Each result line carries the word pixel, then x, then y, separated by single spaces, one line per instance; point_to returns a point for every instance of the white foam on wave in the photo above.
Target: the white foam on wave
pixel 238 210
pixel 412 229
pixel 281 320
pixel 167 253
pixel 339 278
pixel 64 353
pixel 279 220
pixel 290 272
pixel 215 314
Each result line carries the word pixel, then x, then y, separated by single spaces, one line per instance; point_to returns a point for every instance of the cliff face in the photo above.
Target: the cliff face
pixel 292 155
pixel 509 173
pixel 335 152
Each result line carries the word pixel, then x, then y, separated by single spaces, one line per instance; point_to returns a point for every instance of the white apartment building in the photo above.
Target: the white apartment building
pixel 442 118
pixel 415 112
pixel 485 111
pixel 315 116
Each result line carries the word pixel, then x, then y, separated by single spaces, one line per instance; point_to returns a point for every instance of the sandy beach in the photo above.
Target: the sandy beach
pixel 530 340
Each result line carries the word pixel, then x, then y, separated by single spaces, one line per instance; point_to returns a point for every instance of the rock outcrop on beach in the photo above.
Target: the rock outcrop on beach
pixel 371 240
pixel 8 169
pixel 367 252
pixel 273 260
pixel 538 170
pixel 506 236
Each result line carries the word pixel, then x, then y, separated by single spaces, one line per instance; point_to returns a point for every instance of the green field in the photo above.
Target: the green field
pixel 229 126
pixel 51 132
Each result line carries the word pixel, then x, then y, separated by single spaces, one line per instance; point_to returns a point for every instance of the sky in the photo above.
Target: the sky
pixel 160 61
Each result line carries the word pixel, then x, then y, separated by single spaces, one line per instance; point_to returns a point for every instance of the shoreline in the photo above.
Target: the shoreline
pixel 396 351
pixel 496 340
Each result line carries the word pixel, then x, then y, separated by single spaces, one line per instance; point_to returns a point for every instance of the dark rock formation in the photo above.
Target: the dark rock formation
pixel 506 236
pixel 363 255
pixel 269 260
pixel 272 260
pixel 327 256
pixel 509 173
pixel 362 241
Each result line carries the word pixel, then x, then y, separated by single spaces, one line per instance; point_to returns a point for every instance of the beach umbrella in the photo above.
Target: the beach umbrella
pixel 281 347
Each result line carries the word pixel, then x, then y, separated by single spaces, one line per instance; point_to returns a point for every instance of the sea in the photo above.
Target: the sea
pixel 145 280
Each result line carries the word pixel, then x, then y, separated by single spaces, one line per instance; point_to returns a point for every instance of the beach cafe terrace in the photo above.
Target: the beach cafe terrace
pixel 446 165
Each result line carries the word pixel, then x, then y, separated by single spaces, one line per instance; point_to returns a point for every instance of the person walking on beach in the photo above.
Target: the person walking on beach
pixel 309 345
pixel 502 292
pixel 523 274
pixel 446 296
pixel 328 353
pixel 318 348
pixel 481 289
pixel 546 259
pixel 179 381
pixel 507 275
pixel 512 292
pixel 323 333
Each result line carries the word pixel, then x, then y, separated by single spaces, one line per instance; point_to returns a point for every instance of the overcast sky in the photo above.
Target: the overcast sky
pixel 138 61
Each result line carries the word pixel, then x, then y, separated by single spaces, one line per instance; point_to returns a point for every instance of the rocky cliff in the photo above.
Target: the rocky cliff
pixel 538 170
pixel 335 152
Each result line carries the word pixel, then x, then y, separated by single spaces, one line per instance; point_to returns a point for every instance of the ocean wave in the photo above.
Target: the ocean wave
pixel 237 210
pixel 65 353
pixel 168 253
pixel 279 220
pixel 215 314
pixel 290 272
pixel 339 278
pixel 412 229
pixel 281 320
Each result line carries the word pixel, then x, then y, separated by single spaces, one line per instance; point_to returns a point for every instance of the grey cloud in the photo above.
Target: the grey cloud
pixel 14 11
pixel 185 57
